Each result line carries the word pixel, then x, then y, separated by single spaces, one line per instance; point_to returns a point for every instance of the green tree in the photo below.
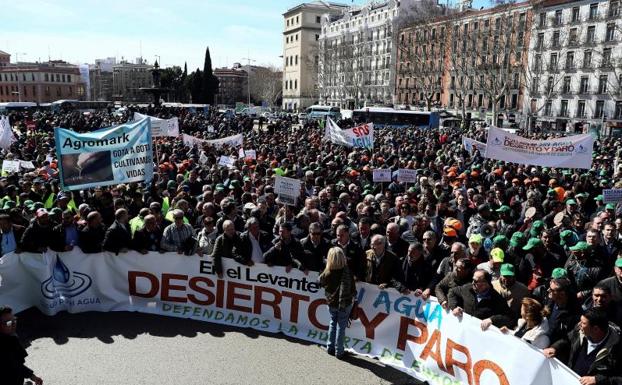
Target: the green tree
pixel 210 82
pixel 195 85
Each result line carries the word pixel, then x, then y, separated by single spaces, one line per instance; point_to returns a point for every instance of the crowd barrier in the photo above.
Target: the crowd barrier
pixel 416 336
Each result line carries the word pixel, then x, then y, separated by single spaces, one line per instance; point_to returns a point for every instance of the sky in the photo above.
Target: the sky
pixel 176 31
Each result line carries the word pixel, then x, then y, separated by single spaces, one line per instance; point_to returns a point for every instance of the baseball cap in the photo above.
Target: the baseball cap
pixel 618 263
pixel 571 202
pixel 533 242
pixel 476 238
pixel 450 232
pixel 517 239
pixel 599 198
pixel 559 272
pixel 536 228
pixel 580 246
pixel 507 270
pixel 41 212
pixel 610 206
pixel 503 209
pixel 497 255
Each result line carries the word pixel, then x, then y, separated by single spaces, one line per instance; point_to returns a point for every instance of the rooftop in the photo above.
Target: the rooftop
pixel 328 5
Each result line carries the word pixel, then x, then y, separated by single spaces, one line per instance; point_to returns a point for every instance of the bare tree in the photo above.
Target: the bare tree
pixel 266 84
pixel 420 42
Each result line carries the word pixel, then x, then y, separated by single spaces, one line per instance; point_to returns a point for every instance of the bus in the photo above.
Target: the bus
pixel 316 112
pixel 79 105
pixel 17 106
pixel 383 117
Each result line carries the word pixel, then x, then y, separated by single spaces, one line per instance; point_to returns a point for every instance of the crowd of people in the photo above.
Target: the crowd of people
pixel 534 251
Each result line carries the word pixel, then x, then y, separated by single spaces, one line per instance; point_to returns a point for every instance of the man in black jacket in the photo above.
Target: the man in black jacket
pixel 118 236
pixel 415 274
pixel 10 235
pixel 286 251
pixel 12 354
pixel 92 235
pixel 460 276
pixel 255 242
pixel 228 245
pixel 148 237
pixel 354 254
pixel 595 350
pixel 38 234
pixel 65 234
pixel 480 300
pixel 315 247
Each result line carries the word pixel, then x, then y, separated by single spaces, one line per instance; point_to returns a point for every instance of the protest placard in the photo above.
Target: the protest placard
pixel 382 175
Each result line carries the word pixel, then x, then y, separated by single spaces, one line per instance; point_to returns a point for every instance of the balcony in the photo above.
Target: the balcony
pixel 584 92
pixel 570 68
pixel 552 68
pixel 581 115
pixel 606 65
pixel 573 43
pixel 589 42
pixel 587 67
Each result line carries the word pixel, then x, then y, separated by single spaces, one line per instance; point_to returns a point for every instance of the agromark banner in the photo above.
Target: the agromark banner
pixel 566 152
pixel 108 156
pixel 413 335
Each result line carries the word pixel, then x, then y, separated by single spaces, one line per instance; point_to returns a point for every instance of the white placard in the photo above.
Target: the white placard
pixel 287 187
pixel 10 166
pixel 226 161
pixel 382 175
pixel 26 165
pixel 406 175
pixel 251 154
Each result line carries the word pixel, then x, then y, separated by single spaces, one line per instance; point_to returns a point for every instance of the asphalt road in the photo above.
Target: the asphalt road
pixel 132 348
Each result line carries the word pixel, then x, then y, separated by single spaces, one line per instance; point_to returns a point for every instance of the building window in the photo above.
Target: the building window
pixel 587 59
pixel 581 109
pixel 591 34
pixel 296 84
pixel 542 20
pixel 611 28
pixel 566 85
pixel 572 39
pixel 575 14
pixel 558 17
pixel 614 9
pixel 553 62
pixel 547 108
pixel 317 37
pixel 564 108
pixel 318 19
pixel 555 43
pixel 602 84
pixel 569 61
pixel 618 111
pixel 584 86
pixel 606 57
pixel 600 107
pixel 287 21
pixel 593 11
pixel 297 20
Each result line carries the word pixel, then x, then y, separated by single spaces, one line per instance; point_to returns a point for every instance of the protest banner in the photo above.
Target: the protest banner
pixel 566 152
pixel 406 175
pixel 26 165
pixel 472 144
pixel 250 154
pixel 288 189
pixel 160 127
pixel 233 140
pixel 359 136
pixel 382 175
pixel 120 154
pixel 10 166
pixel 612 195
pixel 416 336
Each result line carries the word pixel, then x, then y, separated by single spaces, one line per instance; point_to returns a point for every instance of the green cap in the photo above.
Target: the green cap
pixel 567 237
pixel 246 178
pixel 28 203
pixel 518 239
pixel 533 242
pixel 536 228
pixel 235 183
pixel 503 209
pixel 500 240
pixel 551 192
pixel 412 190
pixel 599 198
pixel 581 195
pixel 580 246
pixel 56 211
pixel 220 187
pixel 507 270
pixel 559 272
pixel 618 263
pixel 8 205
pixel 171 184
pixel 610 206
pixel 497 255
pixel 571 202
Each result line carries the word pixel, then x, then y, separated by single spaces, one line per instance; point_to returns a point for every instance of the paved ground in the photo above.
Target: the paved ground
pixel 132 348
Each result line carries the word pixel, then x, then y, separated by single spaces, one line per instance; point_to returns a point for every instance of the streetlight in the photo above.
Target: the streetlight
pixel 19 91
pixel 248 78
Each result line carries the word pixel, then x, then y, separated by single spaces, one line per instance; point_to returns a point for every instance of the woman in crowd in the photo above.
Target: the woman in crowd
pixel 533 326
pixel 338 283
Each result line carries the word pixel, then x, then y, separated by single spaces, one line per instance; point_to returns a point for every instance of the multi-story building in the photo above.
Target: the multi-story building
pixel 129 78
pixel 40 82
pixel 575 66
pixel 232 85
pixel 468 61
pixel 357 56
pixel 5 59
pixel 300 52
pixel 101 79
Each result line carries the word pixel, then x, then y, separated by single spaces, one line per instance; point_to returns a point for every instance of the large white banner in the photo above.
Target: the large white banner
pixel 359 136
pixel 567 152
pixel 233 141
pixel 471 144
pixel 161 127
pixel 6 133
pixel 404 331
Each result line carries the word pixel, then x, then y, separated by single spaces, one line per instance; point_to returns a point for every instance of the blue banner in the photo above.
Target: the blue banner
pixel 114 155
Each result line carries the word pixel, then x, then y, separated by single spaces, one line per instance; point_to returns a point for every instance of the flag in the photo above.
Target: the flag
pixel 6 134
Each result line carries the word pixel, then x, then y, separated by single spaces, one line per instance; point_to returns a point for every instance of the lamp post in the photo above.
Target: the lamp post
pixel 19 91
pixel 248 78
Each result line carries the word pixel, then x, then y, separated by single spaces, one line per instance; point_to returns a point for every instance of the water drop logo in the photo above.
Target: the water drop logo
pixel 496 141
pixel 64 283
pixel 581 149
